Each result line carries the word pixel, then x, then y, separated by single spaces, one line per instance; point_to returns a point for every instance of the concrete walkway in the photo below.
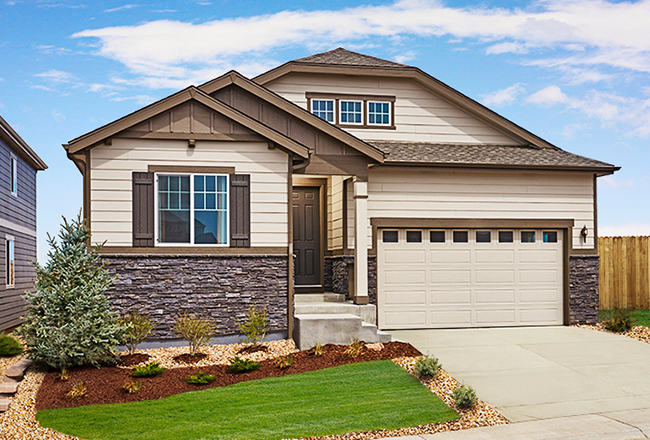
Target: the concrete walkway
pixel 538 373
pixel 625 425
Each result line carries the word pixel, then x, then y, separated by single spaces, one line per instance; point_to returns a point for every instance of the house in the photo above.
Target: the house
pixel 344 173
pixel 18 167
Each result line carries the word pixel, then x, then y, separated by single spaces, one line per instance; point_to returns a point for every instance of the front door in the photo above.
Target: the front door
pixel 306 235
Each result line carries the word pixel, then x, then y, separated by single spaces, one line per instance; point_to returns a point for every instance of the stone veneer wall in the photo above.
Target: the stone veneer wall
pixel 219 286
pixel 337 280
pixel 583 284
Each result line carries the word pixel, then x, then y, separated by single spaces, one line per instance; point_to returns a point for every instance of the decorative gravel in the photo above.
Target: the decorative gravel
pixel 637 332
pixel 442 384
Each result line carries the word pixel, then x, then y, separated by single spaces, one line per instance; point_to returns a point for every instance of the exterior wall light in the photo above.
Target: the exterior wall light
pixel 583 233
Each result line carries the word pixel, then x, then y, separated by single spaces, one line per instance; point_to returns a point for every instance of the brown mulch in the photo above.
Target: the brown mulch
pixel 190 358
pixel 104 385
pixel 133 359
pixel 252 349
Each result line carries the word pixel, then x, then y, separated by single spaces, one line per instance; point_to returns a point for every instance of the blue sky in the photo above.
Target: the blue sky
pixel 576 73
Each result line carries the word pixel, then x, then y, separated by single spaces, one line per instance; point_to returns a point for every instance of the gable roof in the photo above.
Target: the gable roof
pixel 493 156
pixel 344 62
pixel 16 143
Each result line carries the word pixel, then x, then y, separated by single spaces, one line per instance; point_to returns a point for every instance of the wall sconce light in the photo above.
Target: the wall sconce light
pixel 583 233
pixel 191 143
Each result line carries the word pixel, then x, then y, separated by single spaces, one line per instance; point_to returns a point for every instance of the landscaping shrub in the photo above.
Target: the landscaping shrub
pixel 64 375
pixel 131 386
pixel 138 326
pixel 255 325
pixel 354 349
pixel 77 391
pixel 201 378
pixel 239 365
pixel 464 396
pixel 9 346
pixel 195 329
pixel 283 362
pixel 317 350
pixel 68 320
pixel 148 370
pixel 427 366
pixel 620 321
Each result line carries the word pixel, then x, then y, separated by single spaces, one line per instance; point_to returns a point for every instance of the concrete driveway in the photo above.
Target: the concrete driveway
pixel 543 372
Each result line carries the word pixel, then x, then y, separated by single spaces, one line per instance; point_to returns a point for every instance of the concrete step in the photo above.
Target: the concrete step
pixel 340 329
pixel 9 387
pixel 17 371
pixel 4 404
pixel 367 312
pixel 318 297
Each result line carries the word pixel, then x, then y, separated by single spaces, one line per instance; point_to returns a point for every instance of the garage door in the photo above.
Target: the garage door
pixel 435 278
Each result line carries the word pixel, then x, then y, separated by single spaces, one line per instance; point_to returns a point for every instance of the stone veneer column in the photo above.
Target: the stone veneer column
pixel 583 285
pixel 360 242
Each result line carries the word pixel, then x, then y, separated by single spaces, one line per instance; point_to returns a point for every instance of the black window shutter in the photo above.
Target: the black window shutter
pixel 240 210
pixel 143 209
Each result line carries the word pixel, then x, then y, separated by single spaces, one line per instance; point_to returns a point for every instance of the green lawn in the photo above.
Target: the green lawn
pixel 355 397
pixel 639 316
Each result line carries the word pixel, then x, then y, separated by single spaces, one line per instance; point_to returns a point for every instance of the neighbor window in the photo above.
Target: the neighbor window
pixel 351 112
pixel 10 262
pixel 378 113
pixel 14 176
pixel 323 108
pixel 193 209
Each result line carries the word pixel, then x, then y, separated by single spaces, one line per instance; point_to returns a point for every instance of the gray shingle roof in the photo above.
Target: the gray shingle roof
pixel 345 57
pixel 482 154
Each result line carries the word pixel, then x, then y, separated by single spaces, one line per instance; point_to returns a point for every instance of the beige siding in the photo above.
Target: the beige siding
pixel 483 194
pixel 111 168
pixel 335 229
pixel 419 115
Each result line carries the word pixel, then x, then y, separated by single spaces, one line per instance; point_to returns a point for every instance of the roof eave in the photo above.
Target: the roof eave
pixel 601 171
pixel 17 143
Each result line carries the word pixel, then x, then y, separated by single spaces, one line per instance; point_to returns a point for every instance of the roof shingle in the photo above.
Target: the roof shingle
pixel 482 154
pixel 345 57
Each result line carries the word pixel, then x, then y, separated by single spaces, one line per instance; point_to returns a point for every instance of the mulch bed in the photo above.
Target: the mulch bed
pixel 190 358
pixel 133 359
pixel 104 385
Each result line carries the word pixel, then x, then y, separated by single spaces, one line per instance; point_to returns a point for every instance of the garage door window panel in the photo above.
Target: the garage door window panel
pixel 390 236
pixel 506 237
pixel 528 236
pixel 483 237
pixel 414 236
pixel 436 236
pixel 550 236
pixel 461 236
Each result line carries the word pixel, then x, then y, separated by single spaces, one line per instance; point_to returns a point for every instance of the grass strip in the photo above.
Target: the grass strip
pixel 639 316
pixel 348 398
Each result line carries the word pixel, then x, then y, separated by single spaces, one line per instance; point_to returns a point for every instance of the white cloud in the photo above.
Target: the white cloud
pixel 52 50
pixel 612 181
pixel 630 230
pixel 139 99
pixel 57 76
pixel 405 57
pixel 121 8
pixel 505 96
pixel 548 96
pixel 41 87
pixel 58 117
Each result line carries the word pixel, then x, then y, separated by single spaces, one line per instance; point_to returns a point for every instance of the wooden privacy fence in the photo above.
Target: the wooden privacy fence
pixel 624 272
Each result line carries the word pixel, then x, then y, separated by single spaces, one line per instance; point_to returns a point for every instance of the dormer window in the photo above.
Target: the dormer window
pixel 354 111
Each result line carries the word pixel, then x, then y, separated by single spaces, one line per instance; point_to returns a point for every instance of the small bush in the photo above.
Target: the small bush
pixel 201 378
pixel 427 366
pixel 464 396
pixel 148 370
pixel 283 362
pixel 239 365
pixel 64 375
pixel 354 349
pixel 196 330
pixel 317 350
pixel 138 326
pixel 131 386
pixel 619 321
pixel 77 391
pixel 255 325
pixel 9 346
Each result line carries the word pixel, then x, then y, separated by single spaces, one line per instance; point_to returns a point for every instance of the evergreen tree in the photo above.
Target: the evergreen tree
pixel 69 321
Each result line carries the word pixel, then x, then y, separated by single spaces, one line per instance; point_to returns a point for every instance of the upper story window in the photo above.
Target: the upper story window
pixel 354 111
pixel 10 262
pixel 351 112
pixel 14 176
pixel 323 108
pixel 192 209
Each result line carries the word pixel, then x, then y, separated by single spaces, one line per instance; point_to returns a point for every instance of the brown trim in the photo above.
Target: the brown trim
pixel 566 276
pixel 583 251
pixel 602 171
pixel 345 215
pixel 86 190
pixel 315 95
pixel 290 312
pixel 321 183
pixel 132 134
pixel 189 169
pixel 595 214
pixel 188 250
pixel 310 289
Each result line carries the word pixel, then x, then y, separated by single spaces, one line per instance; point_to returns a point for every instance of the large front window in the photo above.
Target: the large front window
pixel 193 209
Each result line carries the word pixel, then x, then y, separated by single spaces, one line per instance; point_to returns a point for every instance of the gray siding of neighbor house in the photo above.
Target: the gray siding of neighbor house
pixel 20 210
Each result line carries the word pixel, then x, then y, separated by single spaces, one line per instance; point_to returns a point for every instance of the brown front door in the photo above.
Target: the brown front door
pixel 306 235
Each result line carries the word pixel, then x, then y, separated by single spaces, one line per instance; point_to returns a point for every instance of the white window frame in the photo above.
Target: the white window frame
pixel 191 242
pixel 380 124
pixel 10 261
pixel 333 101
pixel 14 176
pixel 341 101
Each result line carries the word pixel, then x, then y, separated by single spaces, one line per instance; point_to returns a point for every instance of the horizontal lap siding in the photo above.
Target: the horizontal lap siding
pixel 11 301
pixel 420 116
pixel 475 195
pixel 111 168
pixel 335 232
pixel 22 209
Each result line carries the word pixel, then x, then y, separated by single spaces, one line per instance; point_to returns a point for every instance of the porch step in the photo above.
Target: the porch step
pixel 318 297
pixel 367 312
pixel 339 328
pixel 4 404
pixel 17 371
pixel 9 387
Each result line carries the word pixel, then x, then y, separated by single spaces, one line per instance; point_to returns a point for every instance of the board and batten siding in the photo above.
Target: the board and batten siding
pixel 411 193
pixel 111 187
pixel 420 116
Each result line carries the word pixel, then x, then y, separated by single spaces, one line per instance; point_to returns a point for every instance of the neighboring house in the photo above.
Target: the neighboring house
pixel 356 174
pixel 18 166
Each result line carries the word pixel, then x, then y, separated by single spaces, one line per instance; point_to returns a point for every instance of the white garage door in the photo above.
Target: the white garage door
pixel 434 278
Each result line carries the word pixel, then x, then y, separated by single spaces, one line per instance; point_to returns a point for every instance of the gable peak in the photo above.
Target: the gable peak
pixel 341 56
